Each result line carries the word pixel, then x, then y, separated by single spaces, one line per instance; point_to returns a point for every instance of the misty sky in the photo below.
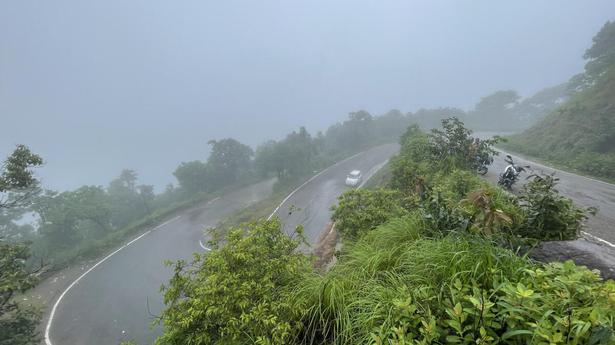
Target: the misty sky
pixel 97 86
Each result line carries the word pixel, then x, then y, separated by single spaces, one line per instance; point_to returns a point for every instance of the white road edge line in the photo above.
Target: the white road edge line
pixel 213 200
pixel 203 246
pixel 57 303
pixel 310 180
pixel 203 225
pixel 596 238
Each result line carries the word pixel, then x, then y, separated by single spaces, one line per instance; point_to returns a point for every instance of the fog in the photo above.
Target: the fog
pixel 95 87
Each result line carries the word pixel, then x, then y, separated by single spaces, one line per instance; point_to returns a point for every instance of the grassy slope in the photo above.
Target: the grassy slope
pixel 579 135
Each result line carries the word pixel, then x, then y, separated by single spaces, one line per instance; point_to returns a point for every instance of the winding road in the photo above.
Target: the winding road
pixel 310 205
pixel 116 298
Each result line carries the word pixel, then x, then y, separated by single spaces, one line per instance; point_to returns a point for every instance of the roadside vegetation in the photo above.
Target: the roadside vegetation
pixel 43 230
pixel 434 256
pixel 580 134
pixel 18 320
pixel 63 227
pixel 431 258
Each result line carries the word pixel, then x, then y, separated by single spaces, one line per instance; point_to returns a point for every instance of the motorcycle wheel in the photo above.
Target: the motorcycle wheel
pixel 482 170
pixel 505 183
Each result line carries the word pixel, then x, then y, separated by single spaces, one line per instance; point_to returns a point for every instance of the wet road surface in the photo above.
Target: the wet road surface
pixel 310 206
pixel 118 299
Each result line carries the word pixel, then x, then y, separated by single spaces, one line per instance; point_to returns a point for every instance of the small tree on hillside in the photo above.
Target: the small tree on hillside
pixel 239 292
pixel 229 159
pixel 549 215
pixel 17 182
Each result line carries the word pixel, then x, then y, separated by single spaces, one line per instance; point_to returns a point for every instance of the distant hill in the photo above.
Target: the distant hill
pixel 502 110
pixel 505 110
pixel 581 132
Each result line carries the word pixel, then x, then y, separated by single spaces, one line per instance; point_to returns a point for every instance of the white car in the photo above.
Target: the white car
pixel 354 178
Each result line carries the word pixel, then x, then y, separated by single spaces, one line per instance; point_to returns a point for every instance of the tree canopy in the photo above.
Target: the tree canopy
pixel 17 322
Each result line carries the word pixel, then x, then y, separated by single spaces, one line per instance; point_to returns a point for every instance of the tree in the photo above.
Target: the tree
pixel 497 109
pixel 229 159
pixel 57 226
pixel 601 55
pixel 239 293
pixel 126 182
pixel 17 322
pixel 431 118
pixel 193 177
pixel 126 204
pixel 13 230
pixel 454 147
pixel 91 203
pixel 67 218
pixel 146 192
pixel 17 181
pixel 600 58
pixel 390 125
pixel 267 159
pixel 354 133
pixel 297 152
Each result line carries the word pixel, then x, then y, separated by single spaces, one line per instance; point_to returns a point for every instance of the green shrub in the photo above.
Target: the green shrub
pixel 407 176
pixel 457 184
pixel 360 210
pixel 557 304
pixel 549 216
pixel 236 294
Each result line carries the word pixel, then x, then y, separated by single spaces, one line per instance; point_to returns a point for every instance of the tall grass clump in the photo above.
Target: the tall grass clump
pixel 395 262
pixel 395 286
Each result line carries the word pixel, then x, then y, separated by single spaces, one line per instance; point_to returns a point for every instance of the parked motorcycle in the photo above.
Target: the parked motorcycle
pixel 511 173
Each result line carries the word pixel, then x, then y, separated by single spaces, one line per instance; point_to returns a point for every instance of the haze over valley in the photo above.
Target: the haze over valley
pixel 307 172
pixel 99 87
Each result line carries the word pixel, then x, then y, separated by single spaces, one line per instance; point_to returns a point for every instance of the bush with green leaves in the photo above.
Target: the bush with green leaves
pixel 453 146
pixel 360 210
pixel 457 184
pixel 558 304
pixel 549 216
pixel 18 321
pixel 237 293
pixel 538 213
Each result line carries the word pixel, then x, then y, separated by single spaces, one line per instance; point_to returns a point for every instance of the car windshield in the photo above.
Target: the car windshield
pixel 354 174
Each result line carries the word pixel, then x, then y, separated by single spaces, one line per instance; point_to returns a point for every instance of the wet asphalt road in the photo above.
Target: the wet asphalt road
pixel 110 304
pixel 117 300
pixel 311 205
